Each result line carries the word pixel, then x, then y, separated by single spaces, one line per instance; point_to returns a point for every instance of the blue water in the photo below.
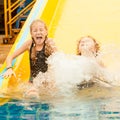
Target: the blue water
pixel 89 104
pixel 21 111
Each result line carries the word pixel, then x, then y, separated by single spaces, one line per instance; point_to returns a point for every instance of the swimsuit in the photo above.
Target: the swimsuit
pixel 38 65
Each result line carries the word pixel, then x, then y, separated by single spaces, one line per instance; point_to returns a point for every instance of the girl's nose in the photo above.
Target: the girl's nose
pixel 38 32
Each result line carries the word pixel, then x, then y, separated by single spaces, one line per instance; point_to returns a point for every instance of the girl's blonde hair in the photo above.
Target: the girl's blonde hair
pixel 96 45
pixel 48 48
pixel 38 21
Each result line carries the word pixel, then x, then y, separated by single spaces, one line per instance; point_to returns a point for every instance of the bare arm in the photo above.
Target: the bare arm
pixel 19 51
pixel 23 48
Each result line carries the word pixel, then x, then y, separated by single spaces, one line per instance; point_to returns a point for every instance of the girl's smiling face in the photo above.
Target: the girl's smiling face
pixel 87 44
pixel 38 32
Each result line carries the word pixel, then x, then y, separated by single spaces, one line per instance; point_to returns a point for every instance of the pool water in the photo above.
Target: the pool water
pixel 88 104
pixel 17 110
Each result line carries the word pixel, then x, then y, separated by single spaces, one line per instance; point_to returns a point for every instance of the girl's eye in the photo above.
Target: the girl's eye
pixel 34 30
pixel 41 30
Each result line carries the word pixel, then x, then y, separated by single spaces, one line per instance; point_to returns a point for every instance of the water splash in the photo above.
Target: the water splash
pixel 70 70
pixel 110 55
pixel 66 71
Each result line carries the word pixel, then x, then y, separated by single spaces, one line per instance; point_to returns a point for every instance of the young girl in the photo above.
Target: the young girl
pixel 88 47
pixel 40 47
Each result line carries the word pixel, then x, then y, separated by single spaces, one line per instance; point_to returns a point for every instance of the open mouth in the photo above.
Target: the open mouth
pixel 39 38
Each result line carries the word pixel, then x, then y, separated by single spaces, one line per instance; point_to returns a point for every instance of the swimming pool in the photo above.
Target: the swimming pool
pixel 89 104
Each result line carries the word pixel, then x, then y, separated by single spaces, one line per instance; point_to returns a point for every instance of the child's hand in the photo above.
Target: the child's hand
pixel 50 46
pixel 9 73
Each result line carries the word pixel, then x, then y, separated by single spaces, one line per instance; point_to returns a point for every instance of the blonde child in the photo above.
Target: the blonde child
pixel 88 47
pixel 40 47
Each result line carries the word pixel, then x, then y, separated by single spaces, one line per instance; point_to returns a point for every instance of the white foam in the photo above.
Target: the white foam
pixel 71 70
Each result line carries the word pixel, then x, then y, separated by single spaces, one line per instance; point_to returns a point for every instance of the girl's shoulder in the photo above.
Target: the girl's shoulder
pixel 29 42
pixel 49 40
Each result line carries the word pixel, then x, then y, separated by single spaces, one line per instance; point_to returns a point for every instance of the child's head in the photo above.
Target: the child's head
pixel 39 32
pixel 87 43
pixel 22 4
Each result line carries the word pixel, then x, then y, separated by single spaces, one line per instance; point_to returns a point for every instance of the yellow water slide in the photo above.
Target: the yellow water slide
pixel 67 20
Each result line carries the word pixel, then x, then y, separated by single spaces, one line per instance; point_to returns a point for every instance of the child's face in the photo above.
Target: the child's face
pixel 38 33
pixel 87 44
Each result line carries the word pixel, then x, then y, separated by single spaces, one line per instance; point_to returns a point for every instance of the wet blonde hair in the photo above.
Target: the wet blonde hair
pixel 96 45
pixel 48 48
